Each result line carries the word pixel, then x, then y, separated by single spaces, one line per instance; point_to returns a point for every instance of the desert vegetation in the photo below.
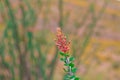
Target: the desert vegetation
pixel 28 49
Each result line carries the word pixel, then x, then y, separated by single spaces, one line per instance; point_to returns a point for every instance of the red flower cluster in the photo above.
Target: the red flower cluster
pixel 61 42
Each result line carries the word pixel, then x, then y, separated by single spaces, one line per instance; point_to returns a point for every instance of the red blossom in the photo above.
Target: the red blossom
pixel 61 42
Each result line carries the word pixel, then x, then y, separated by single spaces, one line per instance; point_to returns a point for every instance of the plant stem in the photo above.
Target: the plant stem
pixel 69 67
pixel 53 64
pixel 61 13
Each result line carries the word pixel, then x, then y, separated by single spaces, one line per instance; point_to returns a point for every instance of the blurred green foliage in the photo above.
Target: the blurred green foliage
pixel 29 54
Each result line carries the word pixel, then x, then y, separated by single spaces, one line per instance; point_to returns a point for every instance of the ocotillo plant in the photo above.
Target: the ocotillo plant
pixel 64 47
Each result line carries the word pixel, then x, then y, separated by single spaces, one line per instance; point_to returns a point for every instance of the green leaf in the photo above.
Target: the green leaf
pixel 66 64
pixel 72 77
pixel 77 78
pixel 62 59
pixel 66 54
pixel 65 70
pixel 71 64
pixel 66 77
pixel 71 58
pixel 62 54
pixel 74 70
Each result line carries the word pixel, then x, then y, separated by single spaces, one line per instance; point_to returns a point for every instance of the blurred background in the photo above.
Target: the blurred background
pixel 27 33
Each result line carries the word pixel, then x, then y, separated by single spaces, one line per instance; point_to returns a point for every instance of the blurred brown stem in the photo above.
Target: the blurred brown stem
pixel 25 69
pixel 61 13
pixel 53 65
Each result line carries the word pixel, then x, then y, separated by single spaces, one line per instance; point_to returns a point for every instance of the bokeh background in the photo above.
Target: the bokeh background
pixel 27 33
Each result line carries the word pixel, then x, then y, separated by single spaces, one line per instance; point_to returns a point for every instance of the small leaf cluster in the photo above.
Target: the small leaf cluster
pixel 70 67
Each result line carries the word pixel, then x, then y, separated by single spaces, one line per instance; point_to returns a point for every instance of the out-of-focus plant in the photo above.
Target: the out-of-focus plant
pixel 60 7
pixel 13 39
pixel 64 47
pixel 28 59
pixel 89 29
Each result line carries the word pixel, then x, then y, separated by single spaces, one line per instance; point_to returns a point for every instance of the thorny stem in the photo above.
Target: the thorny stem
pixel 69 67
